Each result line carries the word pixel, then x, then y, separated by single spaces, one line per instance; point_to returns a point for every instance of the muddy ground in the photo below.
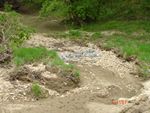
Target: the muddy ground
pixel 108 84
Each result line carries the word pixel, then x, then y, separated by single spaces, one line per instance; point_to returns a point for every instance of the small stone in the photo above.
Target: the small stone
pixel 62 96
pixel 97 88
pixel 49 75
pixel 144 98
pixel 137 103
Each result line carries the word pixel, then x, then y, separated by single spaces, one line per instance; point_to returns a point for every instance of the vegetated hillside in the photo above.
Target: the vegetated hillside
pixel 83 11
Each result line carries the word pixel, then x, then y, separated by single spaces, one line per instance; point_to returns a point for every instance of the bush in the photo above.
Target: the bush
pixel 85 11
pixel 81 11
pixel 54 8
pixel 7 7
pixel 78 11
pixel 12 32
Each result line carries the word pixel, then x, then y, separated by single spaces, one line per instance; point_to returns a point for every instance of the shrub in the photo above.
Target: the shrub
pixel 7 7
pixel 54 8
pixel 78 11
pixel 85 11
pixel 12 32
pixel 81 11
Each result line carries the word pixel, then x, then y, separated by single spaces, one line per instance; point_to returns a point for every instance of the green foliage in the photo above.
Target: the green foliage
pixel 81 11
pixel 58 62
pixel 84 11
pixel 12 32
pixel 36 90
pixel 76 11
pixel 77 73
pixel 7 7
pixel 124 9
pixel 30 55
pixel 53 8
pixel 96 35
pixel 75 33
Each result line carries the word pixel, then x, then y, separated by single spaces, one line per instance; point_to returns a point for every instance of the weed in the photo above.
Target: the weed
pixel 36 90
pixel 75 33
pixel 96 35
pixel 77 73
pixel 59 63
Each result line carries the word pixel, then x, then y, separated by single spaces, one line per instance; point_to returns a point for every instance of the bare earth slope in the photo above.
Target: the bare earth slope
pixel 104 78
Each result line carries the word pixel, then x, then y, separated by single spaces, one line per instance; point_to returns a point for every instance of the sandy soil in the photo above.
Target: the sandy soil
pixel 105 79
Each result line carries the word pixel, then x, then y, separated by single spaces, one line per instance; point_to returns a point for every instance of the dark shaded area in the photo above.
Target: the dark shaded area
pixel 14 3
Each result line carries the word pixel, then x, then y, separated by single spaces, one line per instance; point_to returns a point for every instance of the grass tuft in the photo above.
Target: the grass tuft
pixel 75 33
pixel 96 35
pixel 27 55
pixel 36 89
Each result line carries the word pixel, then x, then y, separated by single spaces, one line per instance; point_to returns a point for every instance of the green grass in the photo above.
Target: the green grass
pixel 75 33
pixel 57 62
pixel 27 55
pixel 124 26
pixel 77 73
pixel 132 47
pixel 36 90
pixel 96 35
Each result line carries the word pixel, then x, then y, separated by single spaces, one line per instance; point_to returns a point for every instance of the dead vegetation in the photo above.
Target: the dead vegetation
pixel 5 57
pixel 60 80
